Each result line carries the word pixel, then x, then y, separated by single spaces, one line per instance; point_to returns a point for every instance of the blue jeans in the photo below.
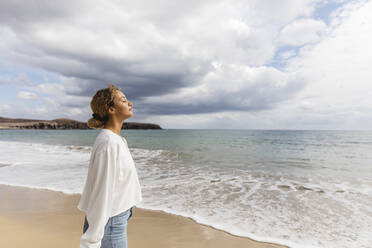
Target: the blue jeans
pixel 115 235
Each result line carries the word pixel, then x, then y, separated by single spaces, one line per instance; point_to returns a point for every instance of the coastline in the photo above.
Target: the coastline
pixel 48 218
pixel 61 124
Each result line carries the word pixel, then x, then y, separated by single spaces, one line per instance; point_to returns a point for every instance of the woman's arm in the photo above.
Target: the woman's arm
pixel 102 187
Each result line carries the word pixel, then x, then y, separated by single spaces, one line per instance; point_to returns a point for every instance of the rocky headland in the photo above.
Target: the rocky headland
pixel 62 123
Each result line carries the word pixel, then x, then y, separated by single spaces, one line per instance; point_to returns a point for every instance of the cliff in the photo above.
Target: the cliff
pixel 9 123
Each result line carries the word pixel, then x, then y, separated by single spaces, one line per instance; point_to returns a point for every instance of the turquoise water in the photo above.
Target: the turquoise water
pixel 344 153
pixel 299 188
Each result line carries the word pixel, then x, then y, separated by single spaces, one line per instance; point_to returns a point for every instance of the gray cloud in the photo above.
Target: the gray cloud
pixel 229 88
pixel 162 55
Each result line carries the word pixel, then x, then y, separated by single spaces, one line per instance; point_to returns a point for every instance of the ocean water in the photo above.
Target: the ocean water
pixel 297 188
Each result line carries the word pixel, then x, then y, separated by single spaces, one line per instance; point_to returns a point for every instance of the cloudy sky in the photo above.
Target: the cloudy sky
pixel 236 64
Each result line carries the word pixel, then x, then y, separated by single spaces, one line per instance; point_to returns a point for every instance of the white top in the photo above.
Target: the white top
pixel 111 187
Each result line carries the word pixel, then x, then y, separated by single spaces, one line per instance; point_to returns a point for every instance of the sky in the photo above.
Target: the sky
pixel 221 64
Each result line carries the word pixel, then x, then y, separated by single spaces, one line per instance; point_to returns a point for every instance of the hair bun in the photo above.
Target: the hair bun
pixel 97 117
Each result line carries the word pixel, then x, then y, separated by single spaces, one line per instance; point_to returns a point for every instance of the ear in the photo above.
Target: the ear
pixel 111 110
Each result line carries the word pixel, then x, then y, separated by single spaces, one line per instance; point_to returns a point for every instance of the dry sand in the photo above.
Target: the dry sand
pixel 33 218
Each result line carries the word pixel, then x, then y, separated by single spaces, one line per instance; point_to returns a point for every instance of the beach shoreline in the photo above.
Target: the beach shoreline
pixel 46 218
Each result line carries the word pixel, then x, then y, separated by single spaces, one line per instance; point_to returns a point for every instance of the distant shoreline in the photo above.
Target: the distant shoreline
pixel 62 123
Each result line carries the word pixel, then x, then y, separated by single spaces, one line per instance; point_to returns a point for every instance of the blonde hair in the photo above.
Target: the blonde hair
pixel 100 103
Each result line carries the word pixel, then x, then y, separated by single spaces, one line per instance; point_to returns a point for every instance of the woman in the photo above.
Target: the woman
pixel 112 187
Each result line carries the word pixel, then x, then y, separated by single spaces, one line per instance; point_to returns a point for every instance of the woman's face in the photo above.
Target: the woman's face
pixel 122 105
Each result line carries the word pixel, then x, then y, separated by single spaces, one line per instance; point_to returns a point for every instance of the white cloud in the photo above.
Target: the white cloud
pixel 301 32
pixel 76 112
pixel 340 91
pixel 60 96
pixel 49 88
pixel 41 111
pixel 51 101
pixel 26 95
pixel 4 108
pixel 278 13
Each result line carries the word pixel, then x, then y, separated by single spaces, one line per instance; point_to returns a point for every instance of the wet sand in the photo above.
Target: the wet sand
pixel 34 218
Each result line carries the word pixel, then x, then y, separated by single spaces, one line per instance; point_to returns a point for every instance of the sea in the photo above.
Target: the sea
pixel 305 189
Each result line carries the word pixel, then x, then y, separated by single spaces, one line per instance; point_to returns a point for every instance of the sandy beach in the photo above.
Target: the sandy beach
pixel 36 218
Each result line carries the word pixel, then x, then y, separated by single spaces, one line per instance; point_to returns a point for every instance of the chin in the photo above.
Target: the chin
pixel 129 115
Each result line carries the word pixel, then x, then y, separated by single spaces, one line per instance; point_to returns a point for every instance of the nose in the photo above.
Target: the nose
pixel 129 103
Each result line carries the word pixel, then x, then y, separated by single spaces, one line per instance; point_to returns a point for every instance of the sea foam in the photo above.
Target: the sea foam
pixel 299 211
